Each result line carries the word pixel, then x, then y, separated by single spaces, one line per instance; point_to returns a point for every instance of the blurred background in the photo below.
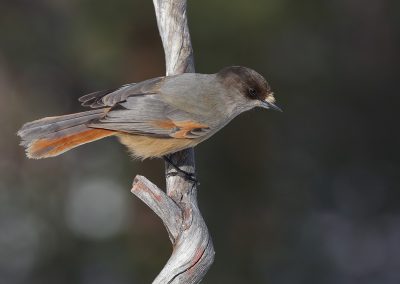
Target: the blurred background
pixel 310 195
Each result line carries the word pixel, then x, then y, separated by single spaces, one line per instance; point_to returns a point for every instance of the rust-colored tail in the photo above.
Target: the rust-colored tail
pixel 52 136
pixel 45 148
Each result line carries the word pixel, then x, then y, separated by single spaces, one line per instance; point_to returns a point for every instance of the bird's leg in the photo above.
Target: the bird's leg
pixel 179 172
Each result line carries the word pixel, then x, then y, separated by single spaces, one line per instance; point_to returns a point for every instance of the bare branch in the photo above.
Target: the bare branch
pixel 174 32
pixel 193 251
pixel 160 203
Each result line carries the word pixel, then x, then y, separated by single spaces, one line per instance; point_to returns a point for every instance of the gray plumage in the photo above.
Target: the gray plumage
pixel 188 106
pixel 58 126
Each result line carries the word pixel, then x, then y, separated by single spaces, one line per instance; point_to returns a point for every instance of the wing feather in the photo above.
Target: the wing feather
pixel 151 116
pixel 113 96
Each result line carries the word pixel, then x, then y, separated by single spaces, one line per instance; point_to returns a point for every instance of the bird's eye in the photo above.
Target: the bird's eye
pixel 252 92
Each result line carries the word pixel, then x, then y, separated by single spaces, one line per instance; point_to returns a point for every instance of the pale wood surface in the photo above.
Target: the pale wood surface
pixel 193 251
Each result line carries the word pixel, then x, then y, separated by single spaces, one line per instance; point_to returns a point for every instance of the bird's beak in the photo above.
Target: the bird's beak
pixel 269 105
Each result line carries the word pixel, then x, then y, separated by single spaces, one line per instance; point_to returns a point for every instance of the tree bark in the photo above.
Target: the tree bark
pixel 193 251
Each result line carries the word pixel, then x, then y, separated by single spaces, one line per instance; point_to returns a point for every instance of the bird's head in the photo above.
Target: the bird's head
pixel 250 88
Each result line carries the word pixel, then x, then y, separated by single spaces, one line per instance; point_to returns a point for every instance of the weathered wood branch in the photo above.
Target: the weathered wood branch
pixel 193 251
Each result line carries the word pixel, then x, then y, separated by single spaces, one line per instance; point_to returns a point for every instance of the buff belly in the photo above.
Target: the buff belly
pixel 150 147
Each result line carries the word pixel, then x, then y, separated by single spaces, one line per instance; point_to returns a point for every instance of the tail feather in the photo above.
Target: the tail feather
pixel 52 136
pixel 48 125
pixel 44 148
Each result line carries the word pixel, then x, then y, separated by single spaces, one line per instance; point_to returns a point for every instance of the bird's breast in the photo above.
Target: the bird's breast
pixel 144 147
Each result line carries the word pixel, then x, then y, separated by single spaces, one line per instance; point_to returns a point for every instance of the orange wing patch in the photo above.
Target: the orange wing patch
pixel 185 127
pixel 179 129
pixel 164 124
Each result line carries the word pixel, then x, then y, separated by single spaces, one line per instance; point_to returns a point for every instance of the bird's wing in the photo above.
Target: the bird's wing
pixel 150 115
pixel 113 96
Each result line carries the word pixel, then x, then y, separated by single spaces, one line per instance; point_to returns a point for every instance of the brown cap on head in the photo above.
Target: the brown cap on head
pixel 251 84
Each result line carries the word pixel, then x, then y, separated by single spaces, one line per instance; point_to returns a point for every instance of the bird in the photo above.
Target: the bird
pixel 155 117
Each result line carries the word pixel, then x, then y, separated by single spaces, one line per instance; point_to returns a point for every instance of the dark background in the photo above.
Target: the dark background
pixel 310 195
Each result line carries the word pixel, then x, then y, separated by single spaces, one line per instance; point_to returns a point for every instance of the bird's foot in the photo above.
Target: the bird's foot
pixel 179 172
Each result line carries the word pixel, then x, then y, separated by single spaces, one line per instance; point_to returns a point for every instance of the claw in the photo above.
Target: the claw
pixel 179 172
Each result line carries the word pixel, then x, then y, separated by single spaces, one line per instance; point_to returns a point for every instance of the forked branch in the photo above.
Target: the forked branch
pixel 193 251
